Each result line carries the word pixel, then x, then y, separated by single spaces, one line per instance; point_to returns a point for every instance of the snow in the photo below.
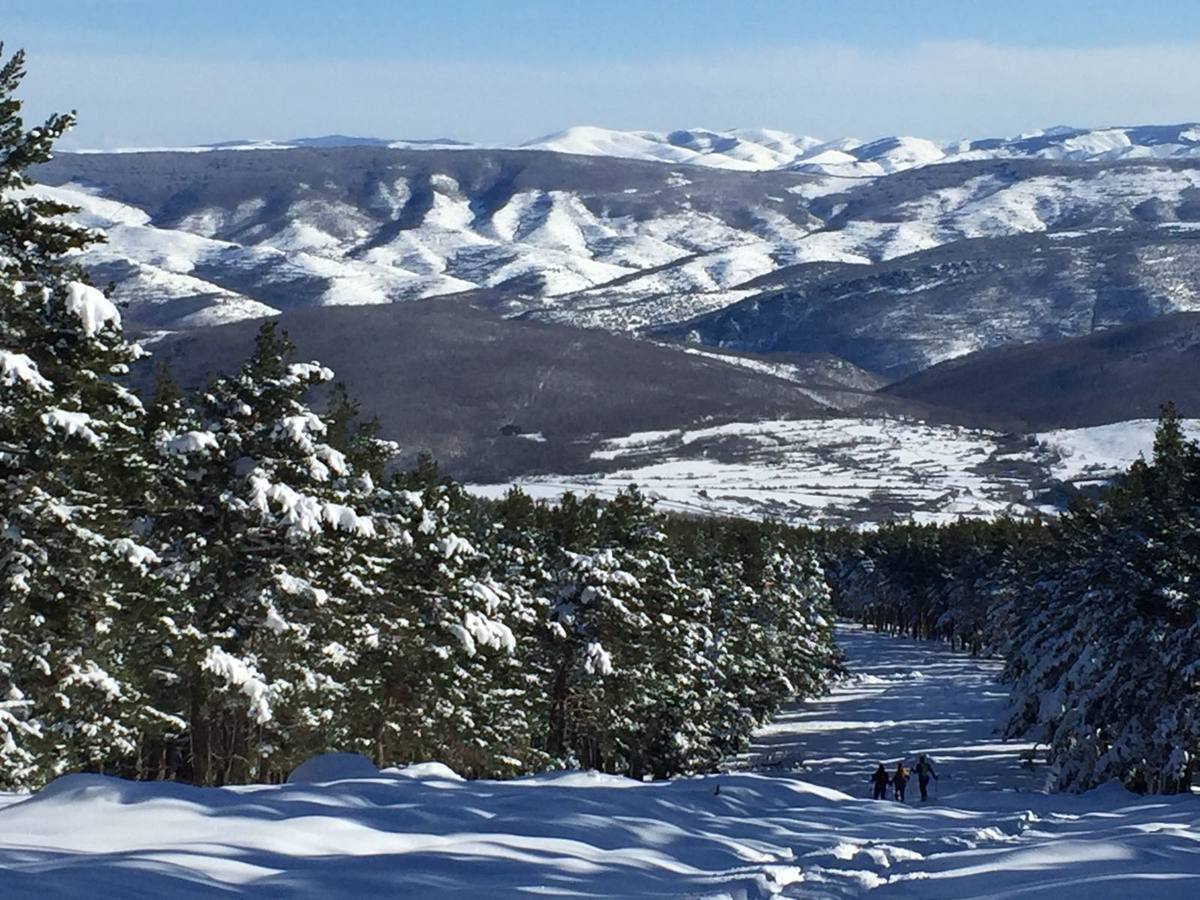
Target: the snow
pixel 73 424
pixel 479 631
pixel 341 828
pixel 134 553
pixel 95 311
pixel 187 443
pixel 431 770
pixel 17 367
pixel 597 660
pixel 242 675
pixel 814 471
pixel 1097 453
pixel 846 471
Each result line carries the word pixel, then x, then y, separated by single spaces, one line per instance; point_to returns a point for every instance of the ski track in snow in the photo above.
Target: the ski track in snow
pixel 422 831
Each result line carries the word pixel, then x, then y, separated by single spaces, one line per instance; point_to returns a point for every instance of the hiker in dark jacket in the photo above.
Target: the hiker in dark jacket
pixel 924 772
pixel 900 780
pixel 880 781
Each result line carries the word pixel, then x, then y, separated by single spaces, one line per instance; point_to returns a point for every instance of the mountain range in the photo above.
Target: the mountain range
pixel 761 149
pixel 1038 282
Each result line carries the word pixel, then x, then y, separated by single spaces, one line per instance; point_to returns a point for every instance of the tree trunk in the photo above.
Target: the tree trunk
pixel 200 729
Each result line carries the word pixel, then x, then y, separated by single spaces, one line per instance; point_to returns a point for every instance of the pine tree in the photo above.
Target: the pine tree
pixel 73 476
pixel 261 526
pixel 1103 655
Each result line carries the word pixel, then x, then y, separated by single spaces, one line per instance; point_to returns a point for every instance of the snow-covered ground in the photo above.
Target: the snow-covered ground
pixel 1088 455
pixel 798 830
pixel 855 471
pixel 903 698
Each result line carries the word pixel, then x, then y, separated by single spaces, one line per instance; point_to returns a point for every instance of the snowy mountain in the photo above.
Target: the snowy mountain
pixel 630 245
pixel 358 225
pixel 810 272
pixel 761 149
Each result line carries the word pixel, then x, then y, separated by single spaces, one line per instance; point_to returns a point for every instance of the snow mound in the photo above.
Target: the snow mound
pixel 426 770
pixel 84 787
pixel 330 767
pixel 819 792
pixel 586 779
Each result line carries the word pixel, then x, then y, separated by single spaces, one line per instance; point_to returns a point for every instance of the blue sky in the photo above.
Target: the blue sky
pixel 178 71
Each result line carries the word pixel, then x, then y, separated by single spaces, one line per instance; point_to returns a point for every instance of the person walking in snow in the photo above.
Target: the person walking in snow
pixel 900 780
pixel 880 781
pixel 924 772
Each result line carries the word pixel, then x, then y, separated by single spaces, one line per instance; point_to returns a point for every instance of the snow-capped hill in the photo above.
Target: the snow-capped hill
pixel 588 140
pixel 372 224
pixel 761 149
pixel 1090 145
pixel 880 157
pixel 897 153
pixel 745 149
pixel 749 149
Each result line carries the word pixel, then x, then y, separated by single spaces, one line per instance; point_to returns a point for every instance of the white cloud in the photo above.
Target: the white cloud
pixel 942 90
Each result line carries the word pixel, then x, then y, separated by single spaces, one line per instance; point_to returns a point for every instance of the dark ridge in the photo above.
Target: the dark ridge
pixel 1123 373
pixel 464 384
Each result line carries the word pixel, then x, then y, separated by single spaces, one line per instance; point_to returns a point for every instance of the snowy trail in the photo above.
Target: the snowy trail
pixel 903 698
pixel 423 832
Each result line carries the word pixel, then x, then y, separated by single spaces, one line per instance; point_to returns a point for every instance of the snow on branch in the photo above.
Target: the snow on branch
pixel 95 311
pixel 17 367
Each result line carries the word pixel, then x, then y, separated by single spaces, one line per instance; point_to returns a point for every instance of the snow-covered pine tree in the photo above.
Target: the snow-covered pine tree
pixel 774 628
pixel 265 533
pixel 521 559
pixel 629 660
pixel 804 654
pixel 443 679
pixel 72 476
pixel 594 608
pixel 666 665
pixel 1103 654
